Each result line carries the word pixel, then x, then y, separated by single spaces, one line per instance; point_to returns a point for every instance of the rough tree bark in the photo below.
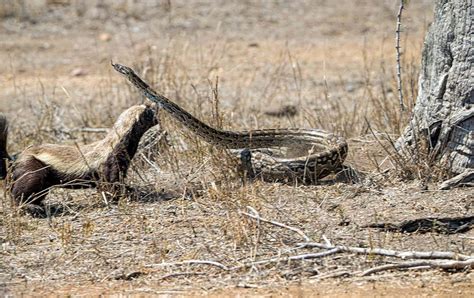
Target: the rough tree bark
pixel 444 110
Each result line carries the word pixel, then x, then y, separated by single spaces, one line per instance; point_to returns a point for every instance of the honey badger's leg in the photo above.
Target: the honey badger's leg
pixel 116 166
pixel 3 146
pixel 114 172
pixel 30 177
pixel 30 181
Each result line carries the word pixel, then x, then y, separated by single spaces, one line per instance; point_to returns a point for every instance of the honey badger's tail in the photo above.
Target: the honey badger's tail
pixel 3 146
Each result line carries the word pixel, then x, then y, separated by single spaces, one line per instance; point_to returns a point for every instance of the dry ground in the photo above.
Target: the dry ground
pixel 335 62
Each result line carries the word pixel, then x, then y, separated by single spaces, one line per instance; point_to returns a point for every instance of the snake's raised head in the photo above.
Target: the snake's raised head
pixel 131 76
pixel 125 70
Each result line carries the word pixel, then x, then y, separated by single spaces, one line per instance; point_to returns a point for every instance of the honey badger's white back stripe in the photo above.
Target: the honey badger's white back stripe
pixel 77 160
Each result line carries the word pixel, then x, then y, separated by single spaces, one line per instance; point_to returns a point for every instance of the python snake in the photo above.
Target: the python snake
pixel 316 153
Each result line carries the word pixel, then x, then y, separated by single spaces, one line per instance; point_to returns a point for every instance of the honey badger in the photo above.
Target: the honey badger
pixel 39 167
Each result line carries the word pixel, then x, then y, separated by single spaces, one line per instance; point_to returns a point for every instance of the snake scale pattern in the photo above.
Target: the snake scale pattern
pixel 292 153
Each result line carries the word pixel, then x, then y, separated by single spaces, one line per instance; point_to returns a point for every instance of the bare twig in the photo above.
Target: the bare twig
pixel 275 223
pixel 393 253
pixel 104 197
pixel 423 264
pixel 397 48
pixel 435 259
pixel 328 242
pixel 290 258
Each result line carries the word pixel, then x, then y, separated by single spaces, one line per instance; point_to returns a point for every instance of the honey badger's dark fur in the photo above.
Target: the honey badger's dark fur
pixel 40 167
pixel 3 146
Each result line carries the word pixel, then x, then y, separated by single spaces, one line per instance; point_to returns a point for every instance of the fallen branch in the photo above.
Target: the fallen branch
pixel 257 217
pixel 466 178
pixel 433 259
pixel 290 258
pixel 458 265
pixel 393 253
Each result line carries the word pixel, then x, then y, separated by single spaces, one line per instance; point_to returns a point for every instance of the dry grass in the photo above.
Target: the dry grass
pixel 227 63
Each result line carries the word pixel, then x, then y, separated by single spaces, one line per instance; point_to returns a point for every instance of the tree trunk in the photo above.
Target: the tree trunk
pixel 444 111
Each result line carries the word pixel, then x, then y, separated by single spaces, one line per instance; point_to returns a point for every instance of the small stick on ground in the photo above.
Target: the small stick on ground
pixel 393 253
pixel 459 265
pixel 328 242
pixel 275 223
pixel 290 258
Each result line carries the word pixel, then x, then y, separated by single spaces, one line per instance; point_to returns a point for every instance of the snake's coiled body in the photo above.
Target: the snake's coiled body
pixel 316 153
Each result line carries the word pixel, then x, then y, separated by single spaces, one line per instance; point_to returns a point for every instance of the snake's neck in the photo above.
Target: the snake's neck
pixel 222 138
pixel 226 139
pixel 217 137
